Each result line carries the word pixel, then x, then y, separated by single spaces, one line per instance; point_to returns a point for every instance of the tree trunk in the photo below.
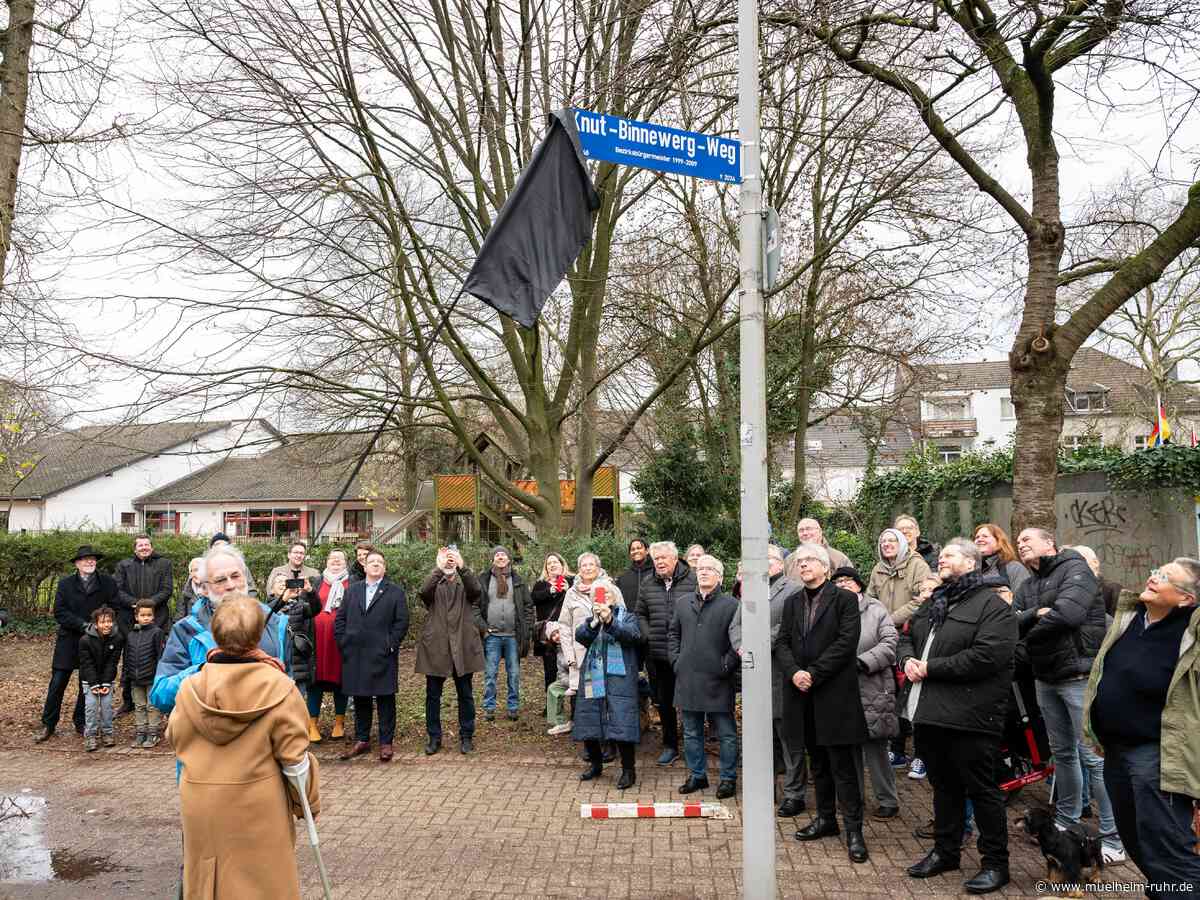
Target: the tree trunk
pixel 543 465
pixel 15 43
pixel 799 459
pixel 1038 401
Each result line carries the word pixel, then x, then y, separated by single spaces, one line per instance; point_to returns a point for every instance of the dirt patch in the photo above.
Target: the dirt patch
pixel 25 672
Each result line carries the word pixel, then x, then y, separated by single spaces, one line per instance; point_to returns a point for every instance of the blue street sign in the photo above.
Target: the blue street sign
pixel 613 139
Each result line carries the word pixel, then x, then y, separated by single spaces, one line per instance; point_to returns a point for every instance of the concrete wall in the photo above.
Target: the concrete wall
pixel 1132 533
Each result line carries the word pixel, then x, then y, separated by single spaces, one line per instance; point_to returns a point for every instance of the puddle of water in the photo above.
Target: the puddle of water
pixel 25 854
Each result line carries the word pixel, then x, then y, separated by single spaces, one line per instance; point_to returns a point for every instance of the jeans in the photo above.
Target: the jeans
pixel 316 696
pixel 59 679
pixel 387 718
pixel 1062 710
pixel 1155 826
pixel 962 766
pixel 145 716
pixel 693 743
pixel 98 712
pixel 496 646
pixel 433 705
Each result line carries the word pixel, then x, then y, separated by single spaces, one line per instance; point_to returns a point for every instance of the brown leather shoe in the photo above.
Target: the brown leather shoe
pixel 358 748
pixel 385 753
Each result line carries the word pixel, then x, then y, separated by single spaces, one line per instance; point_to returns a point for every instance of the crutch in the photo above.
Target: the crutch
pixel 298 775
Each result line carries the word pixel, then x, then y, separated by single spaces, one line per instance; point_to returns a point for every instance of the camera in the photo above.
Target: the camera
pixel 294 584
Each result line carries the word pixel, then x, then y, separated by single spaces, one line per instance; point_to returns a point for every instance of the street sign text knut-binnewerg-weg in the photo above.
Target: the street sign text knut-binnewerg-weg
pixel 650 146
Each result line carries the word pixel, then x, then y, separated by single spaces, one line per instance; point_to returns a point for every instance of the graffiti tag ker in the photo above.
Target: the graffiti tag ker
pixel 1097 515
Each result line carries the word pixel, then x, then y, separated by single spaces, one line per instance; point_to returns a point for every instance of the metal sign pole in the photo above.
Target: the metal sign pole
pixel 758 790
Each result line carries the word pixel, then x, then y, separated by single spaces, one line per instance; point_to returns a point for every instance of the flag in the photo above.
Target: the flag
pixel 544 223
pixel 1162 429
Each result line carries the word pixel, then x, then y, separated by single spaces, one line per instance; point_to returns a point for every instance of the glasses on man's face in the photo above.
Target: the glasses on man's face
pixel 1159 576
pixel 706 569
pixel 808 561
pixel 234 579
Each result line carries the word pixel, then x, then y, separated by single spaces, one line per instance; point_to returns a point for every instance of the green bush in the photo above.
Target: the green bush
pixel 30 565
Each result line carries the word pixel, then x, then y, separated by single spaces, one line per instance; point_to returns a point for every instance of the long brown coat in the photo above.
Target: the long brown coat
pixel 452 637
pixel 233 726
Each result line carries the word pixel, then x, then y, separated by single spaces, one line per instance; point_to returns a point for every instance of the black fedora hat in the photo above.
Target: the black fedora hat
pixel 86 550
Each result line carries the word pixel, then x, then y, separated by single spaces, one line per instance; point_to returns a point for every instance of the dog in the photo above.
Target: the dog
pixel 1074 857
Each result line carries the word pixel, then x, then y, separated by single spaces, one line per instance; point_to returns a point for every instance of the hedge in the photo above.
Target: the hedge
pixel 30 565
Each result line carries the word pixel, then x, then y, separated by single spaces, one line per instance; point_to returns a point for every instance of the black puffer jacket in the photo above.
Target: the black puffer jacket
pixel 656 606
pixel 143 579
pixel 630 582
pixel 928 552
pixel 300 614
pixel 970 661
pixel 98 656
pixel 1063 642
pixel 143 647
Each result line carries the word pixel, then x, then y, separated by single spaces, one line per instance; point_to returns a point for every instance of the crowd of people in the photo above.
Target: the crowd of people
pixel 933 645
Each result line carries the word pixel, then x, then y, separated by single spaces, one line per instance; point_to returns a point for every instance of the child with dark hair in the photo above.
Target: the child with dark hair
pixel 143 647
pixel 99 653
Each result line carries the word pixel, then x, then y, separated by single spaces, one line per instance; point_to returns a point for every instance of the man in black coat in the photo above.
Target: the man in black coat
pixel 672 579
pixel 703 640
pixel 817 653
pixel 370 625
pixel 143 576
pixel 1062 621
pixel 77 597
pixel 958 659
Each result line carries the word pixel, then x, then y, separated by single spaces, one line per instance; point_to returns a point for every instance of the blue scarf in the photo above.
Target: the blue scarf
pixel 604 657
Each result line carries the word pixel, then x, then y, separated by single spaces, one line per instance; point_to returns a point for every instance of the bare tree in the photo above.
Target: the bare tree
pixel 960 64
pixel 343 160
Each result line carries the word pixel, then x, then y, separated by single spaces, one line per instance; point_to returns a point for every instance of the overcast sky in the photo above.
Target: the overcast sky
pixel 1099 148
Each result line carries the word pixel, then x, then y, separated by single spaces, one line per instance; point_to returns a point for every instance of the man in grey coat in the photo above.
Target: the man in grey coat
pixel 795 772
pixel 703 643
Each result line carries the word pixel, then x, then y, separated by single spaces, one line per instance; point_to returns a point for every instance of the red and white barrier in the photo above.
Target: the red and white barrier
pixel 654 811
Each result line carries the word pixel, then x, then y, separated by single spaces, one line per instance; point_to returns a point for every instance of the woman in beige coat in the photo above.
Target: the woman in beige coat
pixel 235 723
pixel 896 577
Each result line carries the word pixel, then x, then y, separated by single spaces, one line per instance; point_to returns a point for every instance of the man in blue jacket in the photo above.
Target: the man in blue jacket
pixel 223 572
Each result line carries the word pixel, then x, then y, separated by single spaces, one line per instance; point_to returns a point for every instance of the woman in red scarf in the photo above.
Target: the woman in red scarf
pixel 328 676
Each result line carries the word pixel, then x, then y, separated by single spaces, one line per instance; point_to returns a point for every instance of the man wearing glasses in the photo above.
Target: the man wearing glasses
pixel 222 573
pixel 1142 711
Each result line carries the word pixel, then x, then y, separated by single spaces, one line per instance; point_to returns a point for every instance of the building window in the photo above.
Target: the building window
pixel 949 453
pixel 1141 441
pixel 128 519
pixel 264 524
pixel 161 521
pixel 943 409
pixel 358 521
pixel 812 445
pixel 1076 442
pixel 1007 411
pixel 1087 401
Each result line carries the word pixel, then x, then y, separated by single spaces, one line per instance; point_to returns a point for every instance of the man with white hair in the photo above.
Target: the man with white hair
pixel 222 572
pixel 817 652
pixel 795 769
pixel 671 579
pixel 705 660
pixel 809 531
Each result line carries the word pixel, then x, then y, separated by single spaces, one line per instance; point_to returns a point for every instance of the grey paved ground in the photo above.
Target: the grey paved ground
pixel 447 826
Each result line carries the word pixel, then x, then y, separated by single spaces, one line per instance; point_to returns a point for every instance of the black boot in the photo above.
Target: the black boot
pixel 627 780
pixel 856 846
pixel 818 828
pixel 592 771
pixel 433 745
